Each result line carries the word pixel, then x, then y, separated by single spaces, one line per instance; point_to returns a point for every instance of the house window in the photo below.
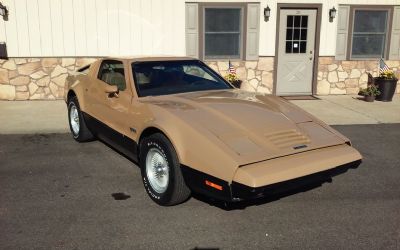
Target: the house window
pixel 223 32
pixel 370 33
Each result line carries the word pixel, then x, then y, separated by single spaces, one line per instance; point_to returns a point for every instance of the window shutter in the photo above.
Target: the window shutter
pixel 342 32
pixel 252 32
pixel 394 51
pixel 192 30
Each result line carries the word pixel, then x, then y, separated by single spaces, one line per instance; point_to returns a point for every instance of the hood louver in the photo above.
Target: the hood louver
pixel 287 138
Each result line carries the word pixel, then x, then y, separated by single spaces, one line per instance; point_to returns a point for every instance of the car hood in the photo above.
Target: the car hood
pixel 253 127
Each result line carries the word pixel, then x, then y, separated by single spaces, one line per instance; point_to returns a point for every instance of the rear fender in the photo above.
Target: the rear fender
pixel 76 83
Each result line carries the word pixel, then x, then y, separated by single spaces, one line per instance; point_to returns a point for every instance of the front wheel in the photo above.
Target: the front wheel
pixel 77 124
pixel 161 172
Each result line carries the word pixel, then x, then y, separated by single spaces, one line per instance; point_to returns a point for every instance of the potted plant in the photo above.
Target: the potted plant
pixel 232 79
pixel 386 82
pixel 370 93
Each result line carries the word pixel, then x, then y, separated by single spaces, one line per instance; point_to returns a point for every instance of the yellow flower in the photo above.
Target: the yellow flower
pixel 389 74
pixel 231 78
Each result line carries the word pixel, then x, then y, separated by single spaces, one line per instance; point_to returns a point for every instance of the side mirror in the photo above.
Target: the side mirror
pixel 111 89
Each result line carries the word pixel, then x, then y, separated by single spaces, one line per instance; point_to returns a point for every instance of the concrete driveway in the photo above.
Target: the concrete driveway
pixel 346 109
pixel 57 194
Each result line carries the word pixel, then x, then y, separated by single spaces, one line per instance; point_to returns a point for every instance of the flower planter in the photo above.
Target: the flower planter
pixel 387 88
pixel 369 98
pixel 237 83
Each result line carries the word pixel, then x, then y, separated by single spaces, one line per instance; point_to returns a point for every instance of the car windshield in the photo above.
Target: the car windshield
pixel 172 77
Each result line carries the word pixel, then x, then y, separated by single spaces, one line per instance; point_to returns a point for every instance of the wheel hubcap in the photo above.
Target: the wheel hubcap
pixel 74 119
pixel 157 170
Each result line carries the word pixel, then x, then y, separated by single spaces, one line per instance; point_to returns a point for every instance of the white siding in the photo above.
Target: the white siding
pixel 46 33
pixel 56 28
pixel 129 27
pixel 112 27
pixel 22 27
pixel 146 27
pixel 35 45
pixel 90 41
pixel 49 28
pixel 80 27
pixel 124 26
pixel 68 27
pixel 135 28
pixel 102 30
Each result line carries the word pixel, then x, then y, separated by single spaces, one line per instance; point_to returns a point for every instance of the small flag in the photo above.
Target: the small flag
pixel 383 67
pixel 231 69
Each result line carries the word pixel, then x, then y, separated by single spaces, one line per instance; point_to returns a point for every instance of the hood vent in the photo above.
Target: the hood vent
pixel 287 138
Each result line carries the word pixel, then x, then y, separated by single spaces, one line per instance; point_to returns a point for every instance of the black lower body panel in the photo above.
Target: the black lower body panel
pixel 196 181
pixel 116 140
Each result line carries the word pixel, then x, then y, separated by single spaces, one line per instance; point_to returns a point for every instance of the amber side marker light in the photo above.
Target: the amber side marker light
pixel 211 184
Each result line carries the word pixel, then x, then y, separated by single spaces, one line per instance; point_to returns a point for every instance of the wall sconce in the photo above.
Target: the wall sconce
pixel 3 11
pixel 267 13
pixel 3 51
pixel 332 14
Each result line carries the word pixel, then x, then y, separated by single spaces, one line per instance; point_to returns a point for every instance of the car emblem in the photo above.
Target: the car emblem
pixel 300 146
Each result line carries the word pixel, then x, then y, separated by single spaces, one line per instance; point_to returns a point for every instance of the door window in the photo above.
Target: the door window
pixel 296 34
pixel 112 73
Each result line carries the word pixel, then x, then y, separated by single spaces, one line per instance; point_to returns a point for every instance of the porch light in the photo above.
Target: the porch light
pixel 3 10
pixel 332 13
pixel 267 13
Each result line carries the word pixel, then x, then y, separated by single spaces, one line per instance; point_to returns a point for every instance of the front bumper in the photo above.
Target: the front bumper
pixel 276 175
pixel 242 192
pixel 285 173
pixel 295 165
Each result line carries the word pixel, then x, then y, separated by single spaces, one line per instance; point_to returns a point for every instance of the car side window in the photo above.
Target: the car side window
pixel 112 73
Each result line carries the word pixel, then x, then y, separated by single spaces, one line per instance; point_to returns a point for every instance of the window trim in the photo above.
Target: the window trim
pixel 353 8
pixel 243 29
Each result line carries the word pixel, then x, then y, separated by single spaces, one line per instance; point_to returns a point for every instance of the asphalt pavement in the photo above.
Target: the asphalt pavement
pixel 56 193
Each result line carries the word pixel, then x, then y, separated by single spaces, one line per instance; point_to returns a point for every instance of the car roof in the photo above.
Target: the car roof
pixel 150 58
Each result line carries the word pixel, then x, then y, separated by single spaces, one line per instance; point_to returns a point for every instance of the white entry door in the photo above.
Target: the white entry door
pixel 296 52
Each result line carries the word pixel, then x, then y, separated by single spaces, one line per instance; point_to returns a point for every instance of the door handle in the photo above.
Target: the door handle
pixel 113 95
pixel 310 58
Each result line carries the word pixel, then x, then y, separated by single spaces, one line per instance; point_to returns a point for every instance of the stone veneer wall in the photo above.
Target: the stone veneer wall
pixel 36 78
pixel 44 78
pixel 257 76
pixel 347 77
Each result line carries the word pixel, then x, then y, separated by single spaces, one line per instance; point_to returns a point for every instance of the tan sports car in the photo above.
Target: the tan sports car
pixel 191 131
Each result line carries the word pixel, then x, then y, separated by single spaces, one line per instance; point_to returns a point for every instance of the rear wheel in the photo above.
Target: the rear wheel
pixel 77 124
pixel 161 172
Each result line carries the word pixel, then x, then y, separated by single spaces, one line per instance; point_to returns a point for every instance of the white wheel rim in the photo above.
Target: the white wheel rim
pixel 74 119
pixel 157 170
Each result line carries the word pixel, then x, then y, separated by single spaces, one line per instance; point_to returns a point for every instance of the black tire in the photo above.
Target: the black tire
pixel 84 133
pixel 176 190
